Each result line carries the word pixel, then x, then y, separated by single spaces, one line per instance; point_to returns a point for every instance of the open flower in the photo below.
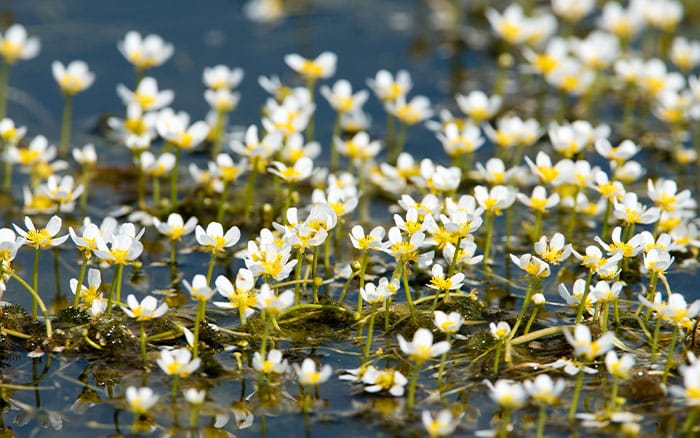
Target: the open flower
pixel 73 78
pixel 307 374
pixel 555 251
pixel 145 52
pixel 222 77
pixel 175 228
pixel 543 390
pixel 140 400
pixel 214 240
pixel 321 67
pixel 146 95
pixel 389 380
pixel 16 45
pixel 43 237
pixel 178 362
pixel 341 97
pixel 507 394
pixel 146 310
pixel 91 292
pixel 421 348
pixel 583 344
pixel 241 297
pixel 619 367
pixel 448 323
pixel 199 289
pixel 274 364
pixel 442 424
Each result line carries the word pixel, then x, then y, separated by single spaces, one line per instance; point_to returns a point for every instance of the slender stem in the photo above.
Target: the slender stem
pixel 297 276
pixel 606 219
pixel 489 235
pixel 370 330
pixel 577 392
pixel 532 318
pixel 412 386
pixel 541 420
pixel 140 181
pixel 399 144
pixel 266 333
pixel 497 357
pixel 84 180
pixel 335 158
pixel 219 129
pixel 199 316
pixel 210 269
pixel 613 393
pixel 143 341
pixel 314 264
pixel 250 184
pixel 173 251
pixel 81 277
pixel 156 191
pixel 363 267
pixel 505 424
pixel 35 283
pixel 65 125
pixel 4 78
pixel 39 301
pixel 690 421
pixel 671 350
pixel 173 178
pixel 310 126
pixel 443 361
pixel 538 226
pixel 119 274
pixel 409 298
pixel 222 202
pixel 584 297
pixel 7 182
pixel 523 309
pixel 655 338
pixel 362 188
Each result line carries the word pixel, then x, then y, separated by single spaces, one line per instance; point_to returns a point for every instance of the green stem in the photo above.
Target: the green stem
pixel 390 123
pixel 412 387
pixel 363 267
pixel 370 329
pixel 362 188
pixel 541 420
pixel 201 310
pixel 119 274
pixel 409 298
pixel 84 181
pixel 81 277
pixel 690 421
pixel 250 184
pixel 538 226
pixel 39 301
pixel 140 181
pixel 577 392
pixel 335 159
pixel 210 268
pixel 399 144
pixel 219 129
pixel 606 219
pixel 4 79
pixel 173 251
pixel 297 276
pixel 497 357
pixel 489 236
pixel 530 320
pixel 7 182
pixel 523 309
pixel 266 333
pixel 310 126
pixel 314 263
pixel 443 361
pixel 173 179
pixel 669 360
pixel 613 393
pixel 584 297
pixel 503 431
pixel 35 283
pixel 142 332
pixel 222 202
pixel 65 125
pixel 655 338
pixel 156 191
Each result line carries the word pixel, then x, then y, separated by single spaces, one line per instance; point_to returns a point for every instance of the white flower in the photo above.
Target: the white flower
pixel 555 251
pixel 543 390
pixel 140 400
pixel 478 106
pixel 421 348
pixel 341 98
pixel 85 156
pixel 507 394
pixel 584 346
pixel 146 310
pixel 388 87
pixel 241 296
pixel 194 396
pixel 222 77
pixel 273 303
pixel 363 242
pixel 43 237
pixel 73 78
pixel 178 362
pixel 214 240
pixel 272 365
pixel 307 374
pixel 619 367
pixel 321 67
pixel 500 331
pixel 384 380
pixel 143 53
pixel 147 95
pixel 15 44
pixel 175 228
pixel 412 112
pixel 448 323
pixel 443 424
pixel 301 170
pixel 532 265
pixel 199 289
